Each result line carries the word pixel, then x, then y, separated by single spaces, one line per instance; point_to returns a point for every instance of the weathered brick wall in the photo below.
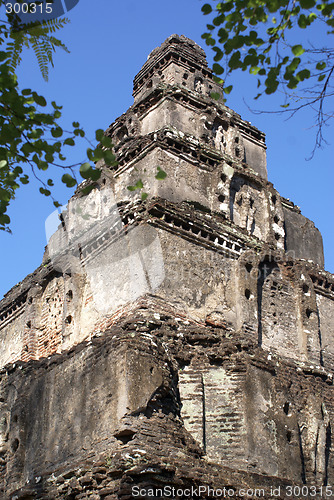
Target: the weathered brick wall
pixel 70 406
pixel 325 307
pixel 213 412
pixel 205 267
pixel 153 396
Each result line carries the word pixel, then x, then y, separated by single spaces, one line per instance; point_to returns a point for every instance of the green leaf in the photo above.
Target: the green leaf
pixel 218 80
pixel 4 219
pixel 57 132
pixel 228 90
pixel 254 70
pixel 219 20
pixel 302 21
pixel 219 54
pixel 78 131
pixel 321 65
pixel 215 95
pixel 138 185
pixel 210 41
pixel 90 154
pixel 206 9
pixel 217 69
pixel 87 189
pixel 293 82
pixel 55 106
pixel 76 124
pixel 161 175
pixel 46 192
pixel 303 74
pixel 69 141
pixel 106 142
pixel 85 170
pixel 144 196
pixel 298 50
pixel 26 92
pixel 223 35
pixel 39 99
pixel 99 134
pixel 307 4
pixel 50 182
pixel 49 158
pixel 234 61
pixel 4 56
pixel 3 164
pixel 95 174
pixel 43 165
pixel 98 154
pixel 108 157
pixel 68 180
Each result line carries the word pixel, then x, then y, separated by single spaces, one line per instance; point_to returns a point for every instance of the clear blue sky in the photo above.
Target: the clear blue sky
pixel 109 42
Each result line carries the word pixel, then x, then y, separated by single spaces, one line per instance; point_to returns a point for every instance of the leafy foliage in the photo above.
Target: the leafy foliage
pixel 267 39
pixel 160 175
pixel 31 138
pixel 38 36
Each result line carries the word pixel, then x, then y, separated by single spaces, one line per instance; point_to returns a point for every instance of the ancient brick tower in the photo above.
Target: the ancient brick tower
pixel 183 341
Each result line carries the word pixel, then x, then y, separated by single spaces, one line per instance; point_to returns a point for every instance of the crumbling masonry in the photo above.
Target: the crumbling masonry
pixel 187 340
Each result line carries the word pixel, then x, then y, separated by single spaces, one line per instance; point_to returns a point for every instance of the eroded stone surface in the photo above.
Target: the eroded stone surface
pixel 179 341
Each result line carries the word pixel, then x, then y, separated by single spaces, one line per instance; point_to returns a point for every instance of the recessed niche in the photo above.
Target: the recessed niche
pixel 125 435
pixel 249 267
pixel 14 445
pixel 308 312
pixel 68 320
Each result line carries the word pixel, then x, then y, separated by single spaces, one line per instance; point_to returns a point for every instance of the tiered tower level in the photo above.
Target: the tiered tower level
pixel 183 339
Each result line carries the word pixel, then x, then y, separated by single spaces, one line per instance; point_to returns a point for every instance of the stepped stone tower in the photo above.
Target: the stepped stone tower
pixel 180 341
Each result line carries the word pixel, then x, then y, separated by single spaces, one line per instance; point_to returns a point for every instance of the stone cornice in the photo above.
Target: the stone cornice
pixel 192 150
pixel 193 99
pixel 200 226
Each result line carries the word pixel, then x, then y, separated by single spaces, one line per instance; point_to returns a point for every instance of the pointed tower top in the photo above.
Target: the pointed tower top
pixel 177 61
pixel 181 44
